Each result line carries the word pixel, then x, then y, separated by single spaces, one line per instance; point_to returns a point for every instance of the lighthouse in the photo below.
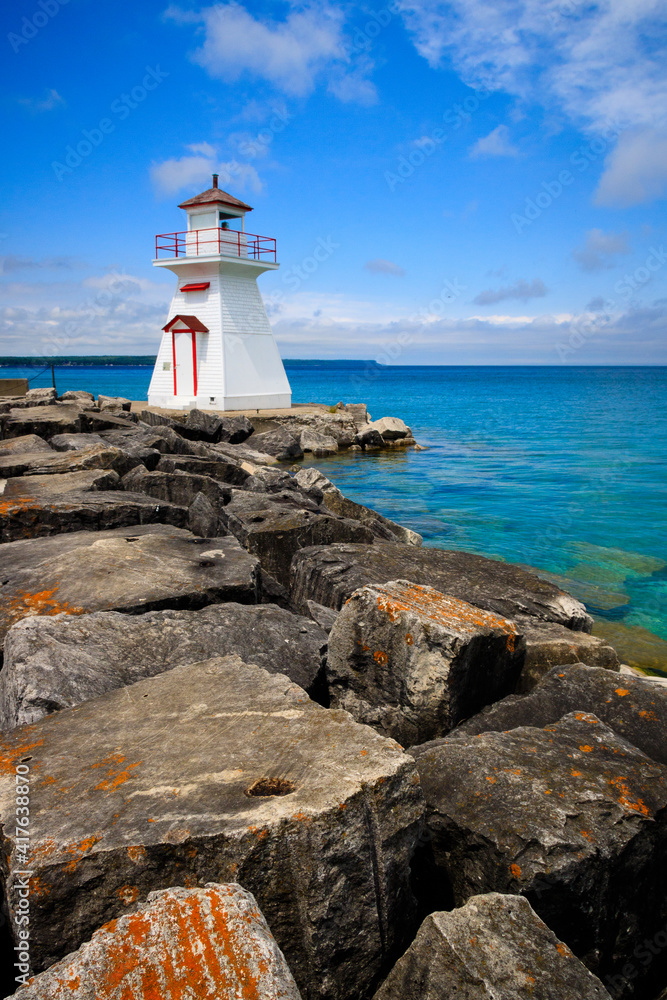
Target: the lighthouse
pixel 217 350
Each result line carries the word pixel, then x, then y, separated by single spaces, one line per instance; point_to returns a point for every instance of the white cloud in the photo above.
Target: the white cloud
pixel 636 170
pixel 594 63
pixel 521 290
pixel 382 266
pixel 179 173
pixel 496 143
pixel 599 249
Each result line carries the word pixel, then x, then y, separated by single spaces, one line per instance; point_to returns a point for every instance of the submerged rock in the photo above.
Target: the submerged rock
pixel 331 574
pixel 211 943
pixel 412 662
pixel 133 570
pixel 494 947
pixel 219 770
pixel 571 816
pixel 57 662
pixel 634 708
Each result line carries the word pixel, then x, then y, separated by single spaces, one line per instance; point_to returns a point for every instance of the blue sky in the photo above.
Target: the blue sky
pixel 486 181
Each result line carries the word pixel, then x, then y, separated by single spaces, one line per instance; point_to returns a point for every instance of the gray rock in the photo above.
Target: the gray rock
pixel 550 645
pixel 95 422
pixel 203 519
pixel 235 430
pixel 358 412
pixel 325 617
pixel 243 454
pixel 177 487
pixel 224 469
pixel 199 425
pixel 57 662
pixel 45 421
pixel 279 443
pixel 219 770
pixel 29 444
pixel 391 428
pixel 156 419
pixel 207 943
pixel 368 437
pixel 271 480
pixel 571 816
pixel 76 442
pixel 163 439
pixel 54 463
pixel 114 403
pixel 275 526
pixel 77 396
pixel 319 444
pixel 44 511
pixel 331 575
pixel 493 948
pixel 142 569
pixel 382 527
pixel 44 487
pixel 634 708
pixel 411 662
pixel 41 397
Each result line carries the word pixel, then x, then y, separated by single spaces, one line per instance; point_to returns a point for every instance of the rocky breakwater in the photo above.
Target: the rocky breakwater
pixel 254 735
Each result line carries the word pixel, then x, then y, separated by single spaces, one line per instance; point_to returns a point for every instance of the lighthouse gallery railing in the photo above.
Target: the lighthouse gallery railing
pixel 205 242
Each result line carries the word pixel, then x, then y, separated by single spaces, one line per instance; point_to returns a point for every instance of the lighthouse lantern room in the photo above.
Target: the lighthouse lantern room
pixel 217 350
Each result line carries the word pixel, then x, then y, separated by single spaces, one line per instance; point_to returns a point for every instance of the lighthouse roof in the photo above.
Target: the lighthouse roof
pixel 215 196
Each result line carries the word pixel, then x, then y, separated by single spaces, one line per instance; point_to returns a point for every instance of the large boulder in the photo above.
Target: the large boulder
pixel 549 644
pixel 77 396
pixel 391 428
pixel 368 437
pixel 493 947
pixel 279 443
pixel 336 501
pixel 44 487
pixel 142 569
pixel 98 456
pixel 163 439
pixel 218 771
pixel 235 430
pixel 30 444
pixel 28 514
pixel 330 575
pixel 57 662
pixel 412 662
pixel 634 708
pixel 319 444
pixel 571 816
pixel 274 526
pixel 177 487
pixel 200 425
pixel 114 403
pixel 210 943
pixel 45 421
pixel 224 469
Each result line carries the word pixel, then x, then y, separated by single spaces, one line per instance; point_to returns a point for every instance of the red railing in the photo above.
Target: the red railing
pixel 203 242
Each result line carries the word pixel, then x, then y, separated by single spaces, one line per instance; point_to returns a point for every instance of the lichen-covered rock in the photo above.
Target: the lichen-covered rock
pixel 57 662
pixel 27 513
pixel 330 575
pixel 274 526
pixel 279 443
pixel 634 708
pixel 224 469
pixel 141 569
pixel 211 943
pixel 571 816
pixel 493 948
pixel 27 444
pixel 551 645
pixel 219 771
pixel 412 662
pixel 382 527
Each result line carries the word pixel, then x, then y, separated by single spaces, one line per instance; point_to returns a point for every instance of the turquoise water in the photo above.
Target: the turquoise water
pixel 560 468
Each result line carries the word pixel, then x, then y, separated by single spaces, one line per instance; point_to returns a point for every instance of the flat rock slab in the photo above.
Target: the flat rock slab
pixel 224 469
pixel 634 708
pixel 75 442
pixel 56 463
pixel 275 525
pixel 550 645
pixel 36 514
pixel 86 481
pixel 493 948
pixel 219 770
pixel 177 487
pixel 412 662
pixel 53 663
pixel 45 421
pixel 30 443
pixel 571 816
pixel 146 568
pixel 330 575
pixel 211 943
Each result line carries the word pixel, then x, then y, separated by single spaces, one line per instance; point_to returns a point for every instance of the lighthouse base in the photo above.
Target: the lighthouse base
pixel 257 401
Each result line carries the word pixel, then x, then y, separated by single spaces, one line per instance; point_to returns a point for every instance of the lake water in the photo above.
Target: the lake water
pixel 560 468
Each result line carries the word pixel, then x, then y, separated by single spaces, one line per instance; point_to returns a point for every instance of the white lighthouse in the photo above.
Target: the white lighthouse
pixel 217 350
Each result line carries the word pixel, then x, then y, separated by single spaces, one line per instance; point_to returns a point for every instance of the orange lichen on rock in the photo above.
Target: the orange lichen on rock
pixel 634 805
pixel 128 894
pixel 380 657
pixel 447 611
pixel 10 756
pixel 516 871
pixel 621 692
pixel 114 777
pixel 25 604
pixel 136 854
